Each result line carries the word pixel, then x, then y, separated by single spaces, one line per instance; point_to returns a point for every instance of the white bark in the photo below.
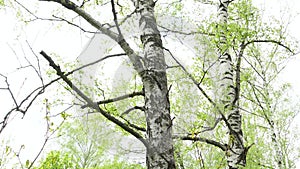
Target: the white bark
pixel 279 155
pixel 160 153
pixel 235 153
pixel 274 135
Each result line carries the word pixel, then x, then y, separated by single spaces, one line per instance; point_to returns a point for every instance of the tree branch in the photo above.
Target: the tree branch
pixel 205 140
pixel 192 78
pixel 203 92
pixel 134 58
pixel 116 18
pixel 209 128
pixel 135 126
pixel 185 33
pixel 269 41
pixel 72 6
pixel 90 103
pixel 73 24
pixel 141 93
pixel 131 109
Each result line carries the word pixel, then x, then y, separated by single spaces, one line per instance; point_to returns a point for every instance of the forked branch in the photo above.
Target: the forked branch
pixel 90 103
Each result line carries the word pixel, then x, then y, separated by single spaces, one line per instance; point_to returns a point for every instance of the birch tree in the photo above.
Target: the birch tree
pixel 187 110
pixel 152 71
pixel 229 93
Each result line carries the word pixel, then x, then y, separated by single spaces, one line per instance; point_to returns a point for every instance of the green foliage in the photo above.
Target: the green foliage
pixel 259 101
pixel 86 140
pixel 57 160
pixel 6 154
pixel 118 165
pixel 60 160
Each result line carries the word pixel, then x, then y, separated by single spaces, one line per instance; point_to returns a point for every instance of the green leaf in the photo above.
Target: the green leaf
pixel 7 149
pixel 64 115
pixel 27 163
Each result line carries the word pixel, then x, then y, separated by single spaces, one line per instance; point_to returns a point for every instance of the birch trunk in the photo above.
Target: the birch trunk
pixel 228 95
pixel 160 154
pixel 269 118
pixel 279 154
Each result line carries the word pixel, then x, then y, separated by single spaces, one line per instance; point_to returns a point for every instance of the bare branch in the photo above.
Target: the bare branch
pixel 128 16
pixel 134 126
pixel 134 58
pixel 209 128
pixel 73 24
pixel 31 13
pixel 141 93
pixel 192 78
pixel 57 19
pixel 72 6
pixel 116 19
pixel 258 73
pixel 32 96
pixel 269 41
pixel 17 154
pixel 184 33
pixel 38 71
pixel 203 92
pixel 131 109
pixel 90 103
pixel 201 139
pixel 95 62
pixel 48 136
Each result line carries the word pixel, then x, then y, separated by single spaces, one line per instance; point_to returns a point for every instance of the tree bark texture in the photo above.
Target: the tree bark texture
pixel 278 152
pixel 160 152
pixel 228 95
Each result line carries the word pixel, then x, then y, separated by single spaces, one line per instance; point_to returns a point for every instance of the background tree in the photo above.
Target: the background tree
pixel 55 160
pixel 86 140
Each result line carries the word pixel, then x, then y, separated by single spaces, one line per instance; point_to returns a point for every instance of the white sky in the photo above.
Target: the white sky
pixel 44 37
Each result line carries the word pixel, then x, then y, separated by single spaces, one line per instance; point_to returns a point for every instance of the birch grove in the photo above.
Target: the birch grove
pixel 216 105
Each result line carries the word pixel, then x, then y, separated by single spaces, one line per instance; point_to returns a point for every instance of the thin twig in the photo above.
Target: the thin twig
pixel 116 19
pixel 73 24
